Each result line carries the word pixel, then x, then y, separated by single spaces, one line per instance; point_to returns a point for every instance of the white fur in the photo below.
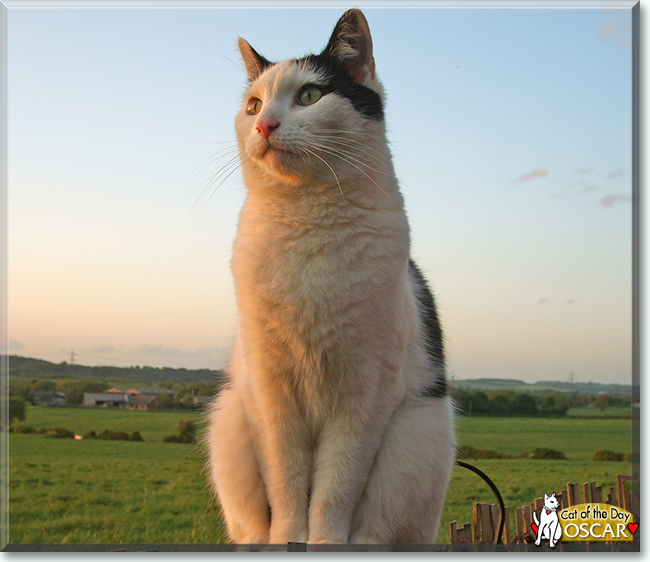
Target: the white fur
pixel 548 523
pixel 321 420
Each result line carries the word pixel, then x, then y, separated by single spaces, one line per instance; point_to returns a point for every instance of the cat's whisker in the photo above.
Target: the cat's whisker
pixel 224 168
pixel 233 149
pixel 340 147
pixel 359 148
pixel 331 170
pixel 221 175
pixel 352 133
pixel 343 156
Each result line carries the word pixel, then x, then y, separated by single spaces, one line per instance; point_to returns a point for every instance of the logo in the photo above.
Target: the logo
pixel 548 525
pixel 587 522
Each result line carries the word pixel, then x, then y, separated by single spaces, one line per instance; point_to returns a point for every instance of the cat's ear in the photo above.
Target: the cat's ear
pixel 545 497
pixel 352 45
pixel 253 61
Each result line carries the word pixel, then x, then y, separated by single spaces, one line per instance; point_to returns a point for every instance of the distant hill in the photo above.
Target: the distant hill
pixel 542 386
pixel 40 369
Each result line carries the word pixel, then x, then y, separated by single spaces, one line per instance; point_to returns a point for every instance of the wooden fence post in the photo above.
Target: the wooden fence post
pixel 572 493
pixel 519 516
pixel 507 538
pixel 487 526
pixel 460 536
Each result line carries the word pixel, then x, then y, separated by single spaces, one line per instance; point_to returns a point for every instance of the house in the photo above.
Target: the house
pixel 106 400
pixel 123 399
pixel 154 391
pixel 144 391
pixel 141 402
pixel 47 398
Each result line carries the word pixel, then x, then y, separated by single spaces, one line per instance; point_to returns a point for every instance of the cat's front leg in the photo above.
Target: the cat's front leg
pixel 235 470
pixel 288 460
pixel 343 459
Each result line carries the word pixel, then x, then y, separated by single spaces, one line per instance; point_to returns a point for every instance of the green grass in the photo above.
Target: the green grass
pixel 576 438
pixel 153 426
pixel 107 492
pixel 102 492
pixel 614 411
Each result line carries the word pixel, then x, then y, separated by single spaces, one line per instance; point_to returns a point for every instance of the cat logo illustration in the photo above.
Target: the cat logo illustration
pixel 548 525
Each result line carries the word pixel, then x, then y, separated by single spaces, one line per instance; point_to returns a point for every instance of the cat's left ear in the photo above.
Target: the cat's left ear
pixel 254 62
pixel 352 45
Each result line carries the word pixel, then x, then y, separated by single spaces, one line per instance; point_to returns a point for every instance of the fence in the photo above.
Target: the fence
pixel 486 516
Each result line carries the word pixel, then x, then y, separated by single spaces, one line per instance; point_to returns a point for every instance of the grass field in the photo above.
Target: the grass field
pixel 612 412
pixel 106 492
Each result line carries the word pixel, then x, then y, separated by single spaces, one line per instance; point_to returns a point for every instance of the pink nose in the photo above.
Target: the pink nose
pixel 266 126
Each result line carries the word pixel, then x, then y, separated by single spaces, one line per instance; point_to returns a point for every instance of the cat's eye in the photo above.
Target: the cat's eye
pixel 309 95
pixel 254 106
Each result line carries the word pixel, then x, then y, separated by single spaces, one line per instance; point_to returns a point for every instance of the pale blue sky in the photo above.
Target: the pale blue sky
pixel 511 134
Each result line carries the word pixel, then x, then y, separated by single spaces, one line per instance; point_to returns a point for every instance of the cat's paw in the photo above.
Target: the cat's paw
pixel 363 539
pixel 283 536
pixel 254 538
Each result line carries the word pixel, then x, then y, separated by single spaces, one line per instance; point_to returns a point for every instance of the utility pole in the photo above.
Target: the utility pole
pixel 72 355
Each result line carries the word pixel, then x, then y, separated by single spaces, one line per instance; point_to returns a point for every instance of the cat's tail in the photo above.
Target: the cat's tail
pixel 535 518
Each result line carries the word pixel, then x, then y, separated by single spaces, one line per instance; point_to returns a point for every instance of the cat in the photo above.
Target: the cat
pixel 548 523
pixel 336 424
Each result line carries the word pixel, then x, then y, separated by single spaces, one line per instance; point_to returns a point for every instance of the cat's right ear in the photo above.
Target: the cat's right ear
pixel 254 62
pixel 351 43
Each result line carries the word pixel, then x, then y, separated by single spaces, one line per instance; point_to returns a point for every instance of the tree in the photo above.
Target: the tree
pixel 523 404
pixel 187 429
pixel 17 408
pixel 601 402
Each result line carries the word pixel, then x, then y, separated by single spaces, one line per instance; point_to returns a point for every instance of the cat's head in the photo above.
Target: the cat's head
pixel 316 118
pixel 551 502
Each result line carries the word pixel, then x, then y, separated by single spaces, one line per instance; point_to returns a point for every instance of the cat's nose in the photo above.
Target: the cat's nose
pixel 266 126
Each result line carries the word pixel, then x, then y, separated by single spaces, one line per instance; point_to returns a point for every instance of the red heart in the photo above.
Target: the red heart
pixel 633 527
pixel 535 528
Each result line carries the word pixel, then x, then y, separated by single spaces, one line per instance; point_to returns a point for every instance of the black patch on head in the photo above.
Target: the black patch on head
pixel 338 80
pixel 437 388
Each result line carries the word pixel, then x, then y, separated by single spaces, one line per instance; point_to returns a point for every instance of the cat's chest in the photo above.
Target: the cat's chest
pixel 318 266
pixel 300 264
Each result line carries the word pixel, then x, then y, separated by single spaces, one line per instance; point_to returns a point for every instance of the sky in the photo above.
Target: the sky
pixel 511 136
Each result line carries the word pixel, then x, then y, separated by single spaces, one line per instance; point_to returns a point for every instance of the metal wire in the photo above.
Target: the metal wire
pixel 493 487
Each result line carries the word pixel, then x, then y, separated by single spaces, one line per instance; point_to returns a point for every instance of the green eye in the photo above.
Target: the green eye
pixel 309 95
pixel 254 106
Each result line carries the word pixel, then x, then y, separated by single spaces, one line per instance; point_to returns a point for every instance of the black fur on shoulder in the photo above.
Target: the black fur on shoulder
pixel 433 333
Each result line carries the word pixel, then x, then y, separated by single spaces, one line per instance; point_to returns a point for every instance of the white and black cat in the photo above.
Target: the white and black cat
pixel 335 425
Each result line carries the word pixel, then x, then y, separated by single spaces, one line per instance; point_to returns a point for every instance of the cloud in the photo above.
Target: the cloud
pixel 13 345
pixel 543 301
pixel 571 301
pixel 538 173
pixel 585 170
pixel 619 172
pixel 618 28
pixel 588 189
pixel 610 200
